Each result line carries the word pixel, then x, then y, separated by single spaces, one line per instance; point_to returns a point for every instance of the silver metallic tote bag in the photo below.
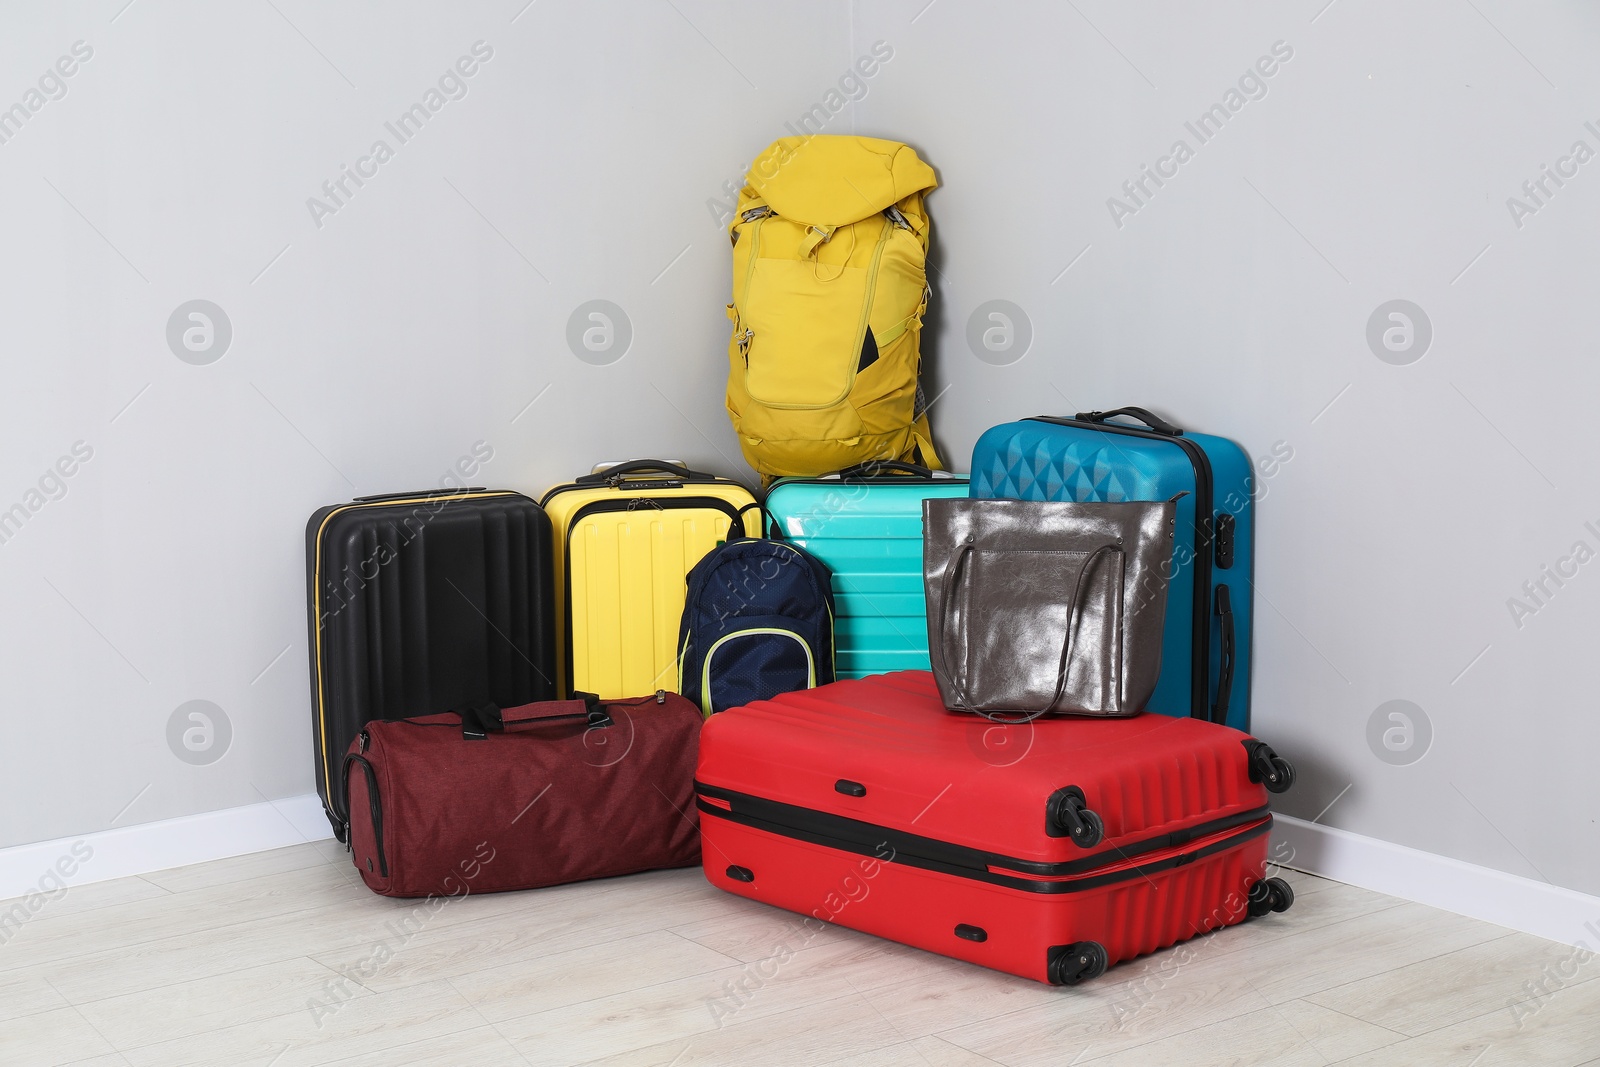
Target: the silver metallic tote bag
pixel 1044 607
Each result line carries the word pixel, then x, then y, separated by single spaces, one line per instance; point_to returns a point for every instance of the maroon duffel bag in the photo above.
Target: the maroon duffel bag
pixel 559 791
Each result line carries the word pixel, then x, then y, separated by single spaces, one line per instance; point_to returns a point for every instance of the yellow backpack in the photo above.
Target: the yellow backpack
pixel 829 246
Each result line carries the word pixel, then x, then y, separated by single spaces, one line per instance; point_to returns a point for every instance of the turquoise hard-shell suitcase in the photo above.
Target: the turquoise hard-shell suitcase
pixel 866 525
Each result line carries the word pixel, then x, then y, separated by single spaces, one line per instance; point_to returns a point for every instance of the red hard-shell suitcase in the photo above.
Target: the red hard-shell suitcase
pixel 1050 850
pixel 558 791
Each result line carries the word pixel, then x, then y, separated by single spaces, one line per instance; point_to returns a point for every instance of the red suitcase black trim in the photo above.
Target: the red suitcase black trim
pixel 866 839
pixel 991 876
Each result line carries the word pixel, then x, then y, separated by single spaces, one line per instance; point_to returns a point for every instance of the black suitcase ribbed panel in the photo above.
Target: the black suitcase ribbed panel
pixel 420 605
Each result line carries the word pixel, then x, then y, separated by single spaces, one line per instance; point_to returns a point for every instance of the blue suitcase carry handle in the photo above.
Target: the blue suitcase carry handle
pixel 1155 422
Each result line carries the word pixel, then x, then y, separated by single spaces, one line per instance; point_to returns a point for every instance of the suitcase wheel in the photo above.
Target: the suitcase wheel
pixel 1069 815
pixel 1274 894
pixel 1077 962
pixel 1282 777
pixel 1093 832
pixel 1268 768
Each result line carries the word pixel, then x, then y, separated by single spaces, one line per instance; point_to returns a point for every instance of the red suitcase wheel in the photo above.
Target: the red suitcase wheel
pixel 1069 816
pixel 1274 894
pixel 1077 962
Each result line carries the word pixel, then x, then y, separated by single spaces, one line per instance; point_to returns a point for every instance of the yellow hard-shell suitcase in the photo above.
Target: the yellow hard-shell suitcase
pixel 625 540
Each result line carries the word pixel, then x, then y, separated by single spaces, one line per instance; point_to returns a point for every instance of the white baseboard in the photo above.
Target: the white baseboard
pixel 156 846
pixel 1538 908
pixel 1517 903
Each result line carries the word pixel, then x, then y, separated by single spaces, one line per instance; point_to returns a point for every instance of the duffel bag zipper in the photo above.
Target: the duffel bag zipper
pixel 374 802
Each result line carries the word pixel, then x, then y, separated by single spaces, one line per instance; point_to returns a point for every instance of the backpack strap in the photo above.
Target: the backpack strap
pixel 770 531
pixel 815 236
pixel 922 441
pixel 910 322
pixel 892 334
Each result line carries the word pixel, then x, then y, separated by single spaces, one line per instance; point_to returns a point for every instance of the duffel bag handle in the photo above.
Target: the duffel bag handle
pixel 641 466
pixel 1155 422
pixel 479 722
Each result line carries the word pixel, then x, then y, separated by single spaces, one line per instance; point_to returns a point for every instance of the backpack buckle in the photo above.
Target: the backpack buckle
pixel 815 236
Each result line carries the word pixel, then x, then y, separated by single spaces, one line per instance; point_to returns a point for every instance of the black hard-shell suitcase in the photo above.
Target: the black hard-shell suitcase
pixel 420 603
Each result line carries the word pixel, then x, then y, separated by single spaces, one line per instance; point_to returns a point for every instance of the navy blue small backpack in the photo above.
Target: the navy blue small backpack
pixel 758 621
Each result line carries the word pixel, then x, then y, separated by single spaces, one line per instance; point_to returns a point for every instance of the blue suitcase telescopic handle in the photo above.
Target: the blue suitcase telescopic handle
pixel 1155 422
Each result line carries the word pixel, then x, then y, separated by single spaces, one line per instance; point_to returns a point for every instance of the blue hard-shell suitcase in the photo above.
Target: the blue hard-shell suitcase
pixel 1205 657
pixel 866 525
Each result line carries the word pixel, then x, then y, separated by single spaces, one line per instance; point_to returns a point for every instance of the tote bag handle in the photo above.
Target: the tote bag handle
pixel 1074 623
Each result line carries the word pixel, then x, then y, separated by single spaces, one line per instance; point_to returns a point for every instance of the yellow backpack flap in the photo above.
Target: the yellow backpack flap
pixel 830 245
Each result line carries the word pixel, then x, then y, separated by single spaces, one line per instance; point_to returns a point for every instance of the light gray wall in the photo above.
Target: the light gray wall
pixel 419 319
pixel 588 153
pixel 1419 497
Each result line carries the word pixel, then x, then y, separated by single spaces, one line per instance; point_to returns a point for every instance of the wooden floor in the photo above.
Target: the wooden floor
pixel 284 959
